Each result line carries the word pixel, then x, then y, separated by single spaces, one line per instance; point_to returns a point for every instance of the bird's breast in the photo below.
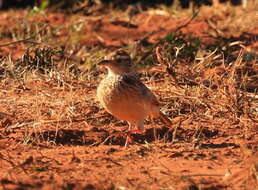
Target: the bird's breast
pixel 112 90
pixel 121 97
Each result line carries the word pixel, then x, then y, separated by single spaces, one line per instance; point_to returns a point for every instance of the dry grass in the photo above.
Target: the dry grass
pixel 209 91
pixel 199 84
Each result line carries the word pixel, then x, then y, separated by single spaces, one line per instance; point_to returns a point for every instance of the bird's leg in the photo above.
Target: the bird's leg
pixel 128 140
pixel 137 130
pixel 140 128
pixel 132 130
pixel 128 137
pixel 154 130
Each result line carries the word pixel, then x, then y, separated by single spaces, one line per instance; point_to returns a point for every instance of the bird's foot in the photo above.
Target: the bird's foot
pixel 135 131
pixel 129 138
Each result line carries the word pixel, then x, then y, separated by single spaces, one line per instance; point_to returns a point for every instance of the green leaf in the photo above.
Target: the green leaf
pixel 44 4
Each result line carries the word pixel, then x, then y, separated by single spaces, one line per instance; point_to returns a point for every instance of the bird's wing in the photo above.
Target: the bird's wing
pixel 148 98
pixel 143 92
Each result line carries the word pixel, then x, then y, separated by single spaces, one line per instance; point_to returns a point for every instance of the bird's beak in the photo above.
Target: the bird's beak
pixel 105 62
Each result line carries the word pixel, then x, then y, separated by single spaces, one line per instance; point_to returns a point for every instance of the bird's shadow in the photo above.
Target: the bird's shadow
pixel 93 137
pixel 119 138
pixel 104 136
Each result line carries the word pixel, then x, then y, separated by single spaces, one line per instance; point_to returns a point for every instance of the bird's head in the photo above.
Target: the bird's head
pixel 119 63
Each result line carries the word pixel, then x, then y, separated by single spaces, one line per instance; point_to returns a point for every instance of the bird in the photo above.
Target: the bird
pixel 123 95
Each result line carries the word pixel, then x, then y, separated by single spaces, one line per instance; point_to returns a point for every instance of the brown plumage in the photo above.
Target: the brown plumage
pixel 124 96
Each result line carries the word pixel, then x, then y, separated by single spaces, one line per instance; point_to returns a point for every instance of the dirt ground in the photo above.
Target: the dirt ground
pixel 54 134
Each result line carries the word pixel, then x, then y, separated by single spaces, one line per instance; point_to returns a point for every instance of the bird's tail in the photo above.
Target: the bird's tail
pixel 165 119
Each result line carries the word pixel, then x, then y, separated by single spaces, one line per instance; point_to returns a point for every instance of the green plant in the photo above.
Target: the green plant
pixel 40 8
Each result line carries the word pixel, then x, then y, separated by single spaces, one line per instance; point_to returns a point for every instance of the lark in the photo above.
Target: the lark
pixel 123 95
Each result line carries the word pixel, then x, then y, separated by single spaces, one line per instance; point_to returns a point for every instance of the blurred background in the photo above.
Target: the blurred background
pixel 5 4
